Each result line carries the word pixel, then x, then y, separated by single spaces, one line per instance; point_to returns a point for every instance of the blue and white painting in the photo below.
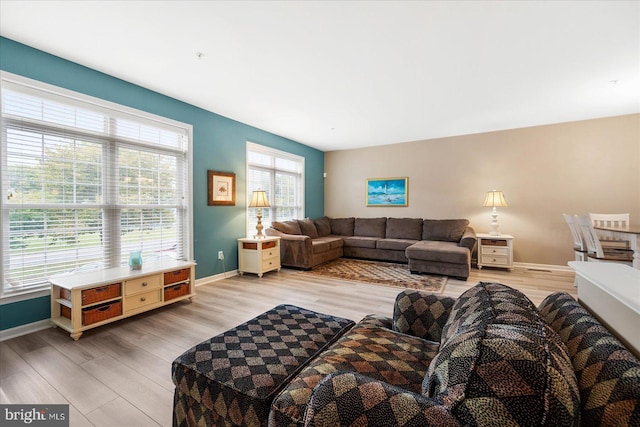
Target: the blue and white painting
pixel 387 192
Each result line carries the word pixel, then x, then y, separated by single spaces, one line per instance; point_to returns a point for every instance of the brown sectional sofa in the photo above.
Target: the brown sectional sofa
pixel 437 246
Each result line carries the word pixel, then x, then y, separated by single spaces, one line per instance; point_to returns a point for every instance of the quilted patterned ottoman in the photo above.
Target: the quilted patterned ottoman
pixel 231 379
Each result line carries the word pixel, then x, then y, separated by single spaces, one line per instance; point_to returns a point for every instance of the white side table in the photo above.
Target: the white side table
pixel 495 251
pixel 258 255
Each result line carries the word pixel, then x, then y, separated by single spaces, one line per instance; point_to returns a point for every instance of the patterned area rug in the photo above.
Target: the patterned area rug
pixel 380 273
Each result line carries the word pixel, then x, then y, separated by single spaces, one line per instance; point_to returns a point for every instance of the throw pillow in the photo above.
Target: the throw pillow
pixel 504 374
pixel 323 226
pixel 308 228
pixel 495 302
pixel 370 227
pixel 404 228
pixel 342 226
pixel 444 230
pixel 421 314
pixel 287 227
pixel 499 360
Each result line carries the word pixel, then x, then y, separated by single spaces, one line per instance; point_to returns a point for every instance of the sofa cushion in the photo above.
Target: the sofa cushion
pixel 320 246
pixel 354 399
pixel 287 227
pixel 421 314
pixel 342 226
pixel 370 227
pixel 608 374
pixel 500 360
pixel 489 302
pixel 506 374
pixel 360 242
pixel 308 228
pixel 439 252
pixel 445 230
pixel 326 243
pixel 394 244
pixel 334 241
pixel 404 228
pixel 380 353
pixel 323 225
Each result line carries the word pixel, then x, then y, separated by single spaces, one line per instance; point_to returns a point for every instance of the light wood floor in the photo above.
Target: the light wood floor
pixel 120 374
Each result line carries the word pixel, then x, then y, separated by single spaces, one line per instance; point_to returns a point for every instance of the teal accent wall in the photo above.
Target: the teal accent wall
pixel 219 143
pixel 23 312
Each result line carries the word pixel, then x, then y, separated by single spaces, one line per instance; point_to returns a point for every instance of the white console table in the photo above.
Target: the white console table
pixel 611 292
pixel 93 298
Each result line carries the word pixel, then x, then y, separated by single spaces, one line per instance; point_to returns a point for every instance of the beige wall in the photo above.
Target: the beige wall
pixel 577 167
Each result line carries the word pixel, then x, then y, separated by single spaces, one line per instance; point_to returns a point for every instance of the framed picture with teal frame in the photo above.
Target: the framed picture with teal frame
pixel 388 192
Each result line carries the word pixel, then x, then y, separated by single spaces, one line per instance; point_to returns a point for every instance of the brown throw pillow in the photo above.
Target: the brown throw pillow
pixel 308 228
pixel 323 226
pixel 287 227
pixel 342 226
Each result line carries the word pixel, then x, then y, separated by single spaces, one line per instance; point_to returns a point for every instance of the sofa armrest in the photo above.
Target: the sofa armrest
pixel 350 398
pixel 296 250
pixel 376 320
pixel 469 239
pixel 608 373
pixel 421 314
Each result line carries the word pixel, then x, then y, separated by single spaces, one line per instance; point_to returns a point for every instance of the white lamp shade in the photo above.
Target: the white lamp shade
pixel 494 198
pixel 259 199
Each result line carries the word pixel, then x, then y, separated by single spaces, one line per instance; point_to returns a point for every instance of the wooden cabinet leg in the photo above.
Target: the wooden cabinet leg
pixel 75 335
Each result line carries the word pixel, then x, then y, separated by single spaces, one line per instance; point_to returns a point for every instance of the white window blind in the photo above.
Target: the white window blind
pixel 85 182
pixel 281 175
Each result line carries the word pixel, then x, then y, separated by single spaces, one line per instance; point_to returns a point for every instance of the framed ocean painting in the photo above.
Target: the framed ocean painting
pixel 388 191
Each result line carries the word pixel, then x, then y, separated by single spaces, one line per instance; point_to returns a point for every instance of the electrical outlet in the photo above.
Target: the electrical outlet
pixel 220 255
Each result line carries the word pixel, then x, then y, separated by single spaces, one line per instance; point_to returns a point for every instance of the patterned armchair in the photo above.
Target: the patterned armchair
pixel 487 358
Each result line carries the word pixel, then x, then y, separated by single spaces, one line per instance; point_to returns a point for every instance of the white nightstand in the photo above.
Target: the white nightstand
pixel 495 251
pixel 258 255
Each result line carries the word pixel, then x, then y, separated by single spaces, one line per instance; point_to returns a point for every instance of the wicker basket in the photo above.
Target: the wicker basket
pixel 101 293
pixel 65 311
pixel 101 312
pixel 65 294
pixel 176 291
pixel 176 276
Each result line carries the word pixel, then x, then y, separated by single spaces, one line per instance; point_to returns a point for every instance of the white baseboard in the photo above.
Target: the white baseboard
pixel 25 329
pixel 204 280
pixel 552 267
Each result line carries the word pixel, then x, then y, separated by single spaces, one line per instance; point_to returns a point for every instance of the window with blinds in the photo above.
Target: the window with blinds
pixel 85 182
pixel 281 175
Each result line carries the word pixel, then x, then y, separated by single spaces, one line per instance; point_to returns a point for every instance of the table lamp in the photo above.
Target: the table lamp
pixel 259 200
pixel 494 199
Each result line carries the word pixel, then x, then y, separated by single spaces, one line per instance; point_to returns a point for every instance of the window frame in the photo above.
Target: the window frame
pixel 272 210
pixel 113 111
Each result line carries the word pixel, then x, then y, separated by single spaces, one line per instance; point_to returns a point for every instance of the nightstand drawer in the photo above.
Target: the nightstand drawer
pixel 494 250
pixel 495 260
pixel 270 253
pixel 268 263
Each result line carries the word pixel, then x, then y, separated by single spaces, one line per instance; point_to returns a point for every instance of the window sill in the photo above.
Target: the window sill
pixel 25 294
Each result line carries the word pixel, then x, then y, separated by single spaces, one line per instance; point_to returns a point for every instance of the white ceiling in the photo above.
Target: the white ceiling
pixel 338 75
